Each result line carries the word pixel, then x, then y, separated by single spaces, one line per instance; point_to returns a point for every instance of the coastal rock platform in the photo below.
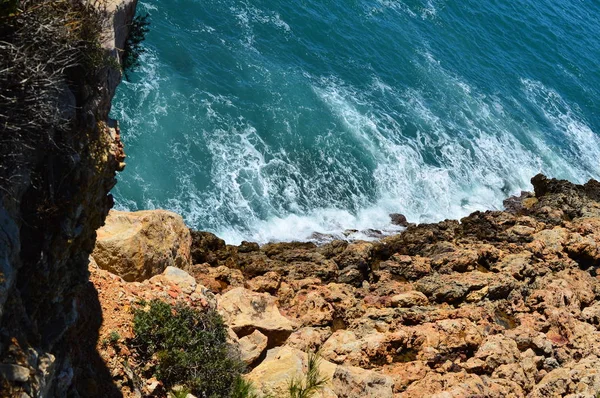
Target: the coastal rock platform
pixel 498 304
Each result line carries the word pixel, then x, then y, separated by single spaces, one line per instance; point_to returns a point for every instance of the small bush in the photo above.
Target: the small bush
pixel 133 47
pixel 190 347
pixel 312 383
pixel 243 389
pixel 114 337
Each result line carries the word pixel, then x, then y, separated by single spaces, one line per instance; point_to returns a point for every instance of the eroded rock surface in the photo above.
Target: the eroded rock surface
pixel 500 304
pixel 141 244
pixel 245 312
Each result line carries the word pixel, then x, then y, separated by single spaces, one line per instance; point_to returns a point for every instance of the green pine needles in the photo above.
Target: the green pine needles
pixel 312 382
pixel 243 389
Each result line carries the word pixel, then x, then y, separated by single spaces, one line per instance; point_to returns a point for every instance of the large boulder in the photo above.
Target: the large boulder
pixel 245 311
pixel 139 245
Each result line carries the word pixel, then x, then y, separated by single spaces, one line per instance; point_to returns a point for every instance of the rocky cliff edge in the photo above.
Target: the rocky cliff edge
pixel 498 304
pixel 48 217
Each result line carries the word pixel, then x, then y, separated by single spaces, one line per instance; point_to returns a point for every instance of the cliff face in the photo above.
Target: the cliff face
pixel 48 219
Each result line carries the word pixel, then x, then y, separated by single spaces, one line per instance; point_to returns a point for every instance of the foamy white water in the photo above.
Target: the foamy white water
pixel 270 122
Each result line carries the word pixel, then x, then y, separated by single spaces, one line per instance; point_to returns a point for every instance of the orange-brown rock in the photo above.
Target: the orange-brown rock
pixel 245 311
pixel 139 245
pixel 500 304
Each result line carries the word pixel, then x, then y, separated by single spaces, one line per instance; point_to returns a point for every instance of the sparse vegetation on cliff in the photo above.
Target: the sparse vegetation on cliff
pixel 47 47
pixel 502 303
pixel 133 46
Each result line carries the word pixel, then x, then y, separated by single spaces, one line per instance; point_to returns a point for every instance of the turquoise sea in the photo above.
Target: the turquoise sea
pixel 270 120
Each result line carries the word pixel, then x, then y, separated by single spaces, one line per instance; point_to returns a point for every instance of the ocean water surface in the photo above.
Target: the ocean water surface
pixel 270 120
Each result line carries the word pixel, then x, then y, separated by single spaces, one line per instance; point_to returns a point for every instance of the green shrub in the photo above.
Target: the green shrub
pixel 133 47
pixel 312 382
pixel 114 337
pixel 190 346
pixel 243 389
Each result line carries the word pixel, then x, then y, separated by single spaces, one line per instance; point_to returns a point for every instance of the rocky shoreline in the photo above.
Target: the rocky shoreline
pixel 500 304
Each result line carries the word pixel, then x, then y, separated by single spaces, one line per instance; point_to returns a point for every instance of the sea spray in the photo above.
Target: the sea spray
pixel 271 120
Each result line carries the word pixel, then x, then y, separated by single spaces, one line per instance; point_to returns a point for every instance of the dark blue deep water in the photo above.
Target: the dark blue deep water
pixel 271 119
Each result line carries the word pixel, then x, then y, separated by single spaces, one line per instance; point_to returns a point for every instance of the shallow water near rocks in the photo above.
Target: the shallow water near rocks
pixel 272 120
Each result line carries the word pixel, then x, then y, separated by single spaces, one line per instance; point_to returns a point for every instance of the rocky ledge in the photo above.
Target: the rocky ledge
pixel 498 304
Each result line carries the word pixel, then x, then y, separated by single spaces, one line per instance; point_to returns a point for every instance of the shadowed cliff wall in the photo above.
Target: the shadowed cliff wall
pixel 51 204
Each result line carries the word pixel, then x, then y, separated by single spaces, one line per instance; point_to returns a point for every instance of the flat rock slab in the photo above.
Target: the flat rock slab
pixel 245 311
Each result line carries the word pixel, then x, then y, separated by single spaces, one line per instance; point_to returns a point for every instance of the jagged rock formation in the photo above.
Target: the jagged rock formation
pixel 48 217
pixel 500 304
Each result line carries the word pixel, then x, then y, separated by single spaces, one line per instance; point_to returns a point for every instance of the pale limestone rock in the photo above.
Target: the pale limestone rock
pixel 273 375
pixel 252 346
pixel 353 382
pixel 308 338
pixel 409 299
pixel 498 350
pixel 245 311
pixel 179 277
pixel 139 245
pixel 345 347
pixel 477 295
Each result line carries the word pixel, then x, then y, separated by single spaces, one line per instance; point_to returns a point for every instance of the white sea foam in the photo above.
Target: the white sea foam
pixel 577 136
pixel 248 16
pixel 397 6
pixel 441 150
pixel 146 6
pixel 474 174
